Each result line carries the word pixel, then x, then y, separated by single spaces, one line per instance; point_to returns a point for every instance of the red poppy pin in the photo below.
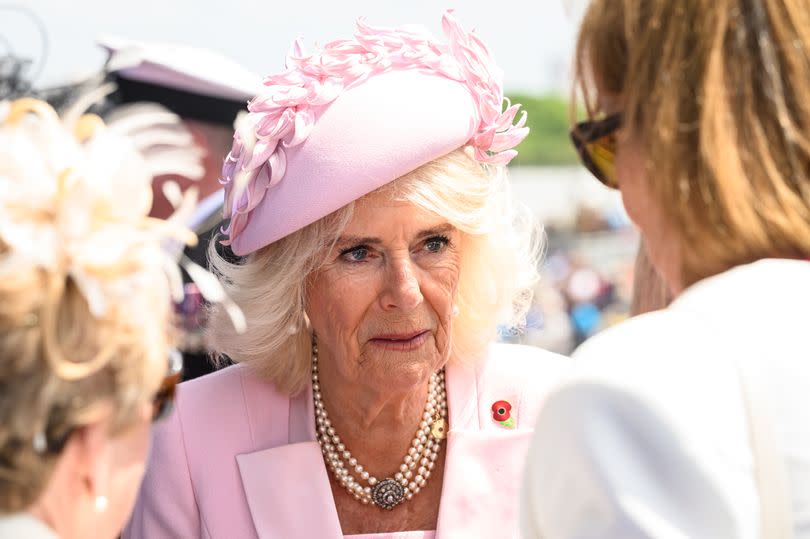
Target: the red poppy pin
pixel 501 414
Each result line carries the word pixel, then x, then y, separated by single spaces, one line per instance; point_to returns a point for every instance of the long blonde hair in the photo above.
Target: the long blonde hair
pixel 717 93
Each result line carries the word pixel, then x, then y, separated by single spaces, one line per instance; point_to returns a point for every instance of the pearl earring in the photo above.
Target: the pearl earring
pixel 101 503
pixel 456 310
pixel 40 442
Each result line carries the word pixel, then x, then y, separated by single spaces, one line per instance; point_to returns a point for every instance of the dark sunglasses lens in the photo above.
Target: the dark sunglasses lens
pixel 595 142
pixel 163 402
pixel 162 407
pixel 602 157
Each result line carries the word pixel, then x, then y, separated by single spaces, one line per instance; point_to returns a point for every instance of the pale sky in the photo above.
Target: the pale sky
pixel 532 40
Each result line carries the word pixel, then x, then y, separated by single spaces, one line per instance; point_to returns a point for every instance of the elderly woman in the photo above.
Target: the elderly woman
pixel 367 198
pixel 692 421
pixel 85 315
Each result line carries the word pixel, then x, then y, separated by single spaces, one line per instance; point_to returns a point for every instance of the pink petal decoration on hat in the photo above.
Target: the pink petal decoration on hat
pixel 286 111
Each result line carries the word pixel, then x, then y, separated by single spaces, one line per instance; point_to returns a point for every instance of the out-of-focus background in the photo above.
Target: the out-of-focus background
pixel 587 272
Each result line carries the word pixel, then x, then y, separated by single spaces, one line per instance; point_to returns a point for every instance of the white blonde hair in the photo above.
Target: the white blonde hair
pixel 501 248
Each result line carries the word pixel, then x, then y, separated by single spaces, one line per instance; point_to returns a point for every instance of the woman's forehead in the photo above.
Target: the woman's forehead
pixel 382 216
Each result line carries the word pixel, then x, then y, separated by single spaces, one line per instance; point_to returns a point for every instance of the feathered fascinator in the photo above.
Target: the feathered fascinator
pixel 345 120
pixel 75 195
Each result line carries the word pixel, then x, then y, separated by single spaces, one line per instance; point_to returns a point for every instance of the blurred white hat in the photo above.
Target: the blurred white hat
pixel 192 82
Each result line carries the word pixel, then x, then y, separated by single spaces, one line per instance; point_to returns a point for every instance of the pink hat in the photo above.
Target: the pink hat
pixel 356 115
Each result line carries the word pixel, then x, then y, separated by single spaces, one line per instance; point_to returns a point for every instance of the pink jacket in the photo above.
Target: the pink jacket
pixel 237 459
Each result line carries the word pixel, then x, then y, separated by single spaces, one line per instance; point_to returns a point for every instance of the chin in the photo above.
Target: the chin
pixel 403 371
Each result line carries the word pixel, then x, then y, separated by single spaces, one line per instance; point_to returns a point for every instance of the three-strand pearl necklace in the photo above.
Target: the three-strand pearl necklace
pixel 416 466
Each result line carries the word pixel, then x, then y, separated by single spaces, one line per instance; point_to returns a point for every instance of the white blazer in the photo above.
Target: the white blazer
pixel 650 438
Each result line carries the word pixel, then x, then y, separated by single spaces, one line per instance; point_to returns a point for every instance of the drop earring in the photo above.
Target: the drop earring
pixel 40 442
pixel 456 310
pixel 101 503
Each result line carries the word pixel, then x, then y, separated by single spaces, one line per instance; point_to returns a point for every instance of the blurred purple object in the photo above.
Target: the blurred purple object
pixel 191 308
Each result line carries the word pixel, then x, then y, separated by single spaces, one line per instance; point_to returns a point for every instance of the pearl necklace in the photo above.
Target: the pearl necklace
pixel 416 466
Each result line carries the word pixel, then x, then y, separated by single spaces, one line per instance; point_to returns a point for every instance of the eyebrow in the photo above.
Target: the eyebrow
pixel 345 241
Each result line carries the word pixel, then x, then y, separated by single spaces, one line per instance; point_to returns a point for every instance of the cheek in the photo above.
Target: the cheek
pixel 633 186
pixel 439 285
pixel 646 212
pixel 130 452
pixel 337 302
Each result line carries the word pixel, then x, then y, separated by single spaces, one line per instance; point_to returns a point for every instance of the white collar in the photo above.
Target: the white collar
pixel 24 526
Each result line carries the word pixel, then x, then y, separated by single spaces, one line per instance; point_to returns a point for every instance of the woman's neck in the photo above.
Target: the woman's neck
pixel 377 426
pixel 58 510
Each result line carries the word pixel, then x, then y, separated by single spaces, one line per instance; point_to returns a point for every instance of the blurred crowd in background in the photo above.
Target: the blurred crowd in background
pixel 587 270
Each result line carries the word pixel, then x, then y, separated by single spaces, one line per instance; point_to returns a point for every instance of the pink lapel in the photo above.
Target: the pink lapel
pixel 287 486
pixel 288 492
pixel 484 461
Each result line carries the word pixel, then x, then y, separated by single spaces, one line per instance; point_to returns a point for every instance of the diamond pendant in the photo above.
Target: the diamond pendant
pixel 387 494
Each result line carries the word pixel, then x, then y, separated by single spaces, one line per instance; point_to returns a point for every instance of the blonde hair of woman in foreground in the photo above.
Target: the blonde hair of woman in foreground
pixel 86 357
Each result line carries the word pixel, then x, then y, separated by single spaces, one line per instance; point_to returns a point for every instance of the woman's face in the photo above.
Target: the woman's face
pixel 123 456
pixel 128 454
pixel 382 306
pixel 643 208
pixel 97 464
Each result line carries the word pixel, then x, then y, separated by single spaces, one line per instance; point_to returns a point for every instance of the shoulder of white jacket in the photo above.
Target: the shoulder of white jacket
pixel 634 337
pixel 640 354
pixel 583 396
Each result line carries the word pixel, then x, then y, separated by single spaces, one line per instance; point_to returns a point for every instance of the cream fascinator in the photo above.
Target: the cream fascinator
pixel 75 195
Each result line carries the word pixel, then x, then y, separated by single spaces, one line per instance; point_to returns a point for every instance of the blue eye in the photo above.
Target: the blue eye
pixel 436 243
pixel 355 254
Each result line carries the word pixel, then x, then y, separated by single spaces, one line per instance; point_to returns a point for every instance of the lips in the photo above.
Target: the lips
pixel 401 341
pixel 400 336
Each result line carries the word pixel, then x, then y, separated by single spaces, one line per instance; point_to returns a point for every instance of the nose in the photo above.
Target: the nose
pixel 402 289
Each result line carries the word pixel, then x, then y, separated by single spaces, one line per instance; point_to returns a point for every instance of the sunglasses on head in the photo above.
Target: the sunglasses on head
pixel 595 142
